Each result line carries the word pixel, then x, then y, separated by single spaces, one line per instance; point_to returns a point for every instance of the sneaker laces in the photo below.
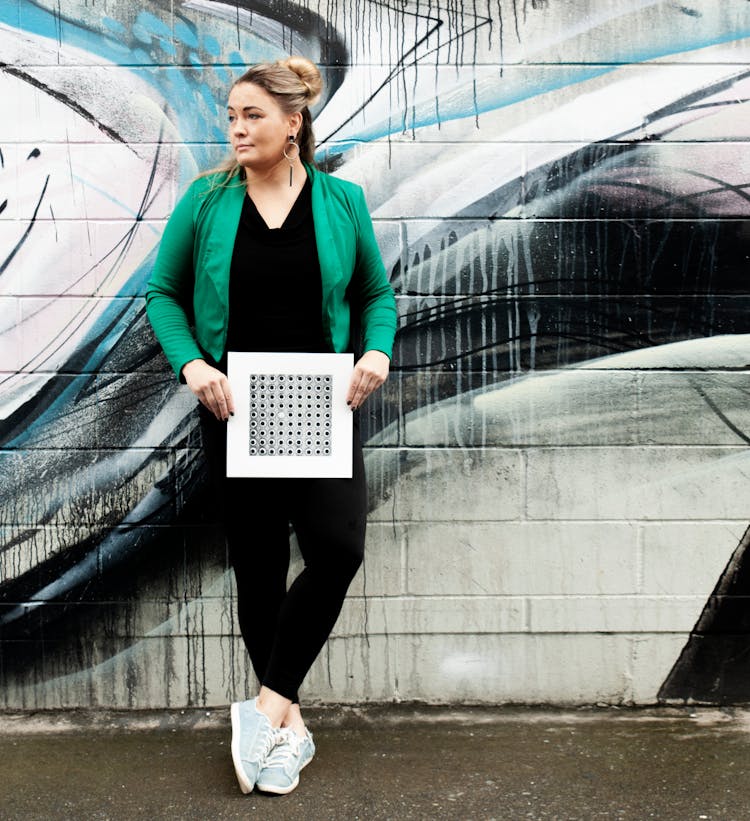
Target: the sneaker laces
pixel 287 747
pixel 266 745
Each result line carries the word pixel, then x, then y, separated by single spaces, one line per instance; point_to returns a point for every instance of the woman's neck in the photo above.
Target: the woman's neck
pixel 276 176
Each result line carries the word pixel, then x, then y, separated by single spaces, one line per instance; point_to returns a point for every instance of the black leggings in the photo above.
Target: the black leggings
pixel 285 630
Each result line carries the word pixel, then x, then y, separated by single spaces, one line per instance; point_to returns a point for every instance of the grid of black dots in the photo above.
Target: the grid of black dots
pixel 290 414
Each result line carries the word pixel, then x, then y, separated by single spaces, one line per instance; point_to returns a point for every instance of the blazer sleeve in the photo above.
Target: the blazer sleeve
pixel 378 316
pixel 169 293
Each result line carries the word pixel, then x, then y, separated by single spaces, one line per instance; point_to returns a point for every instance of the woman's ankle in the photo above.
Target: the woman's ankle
pixel 274 705
pixel 293 719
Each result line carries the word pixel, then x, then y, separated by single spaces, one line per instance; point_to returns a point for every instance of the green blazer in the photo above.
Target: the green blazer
pixel 189 285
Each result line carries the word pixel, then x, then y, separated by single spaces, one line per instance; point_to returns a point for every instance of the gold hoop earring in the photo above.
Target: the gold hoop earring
pixel 291 158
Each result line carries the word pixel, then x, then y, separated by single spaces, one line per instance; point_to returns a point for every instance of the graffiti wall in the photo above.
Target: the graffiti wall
pixel 558 465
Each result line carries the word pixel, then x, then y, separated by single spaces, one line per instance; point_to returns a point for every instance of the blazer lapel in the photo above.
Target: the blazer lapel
pixel 324 221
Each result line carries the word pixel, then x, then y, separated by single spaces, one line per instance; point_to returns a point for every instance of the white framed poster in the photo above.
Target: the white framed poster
pixel 290 418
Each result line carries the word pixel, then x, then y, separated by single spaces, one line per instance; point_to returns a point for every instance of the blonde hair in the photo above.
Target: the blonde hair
pixel 296 84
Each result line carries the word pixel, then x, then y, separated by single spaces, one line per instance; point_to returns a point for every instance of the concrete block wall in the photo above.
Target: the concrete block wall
pixel 557 465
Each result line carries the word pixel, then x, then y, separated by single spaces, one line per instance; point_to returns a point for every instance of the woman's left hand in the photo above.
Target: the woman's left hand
pixel 369 374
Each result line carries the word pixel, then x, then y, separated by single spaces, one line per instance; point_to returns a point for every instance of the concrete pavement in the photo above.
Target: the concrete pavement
pixel 386 762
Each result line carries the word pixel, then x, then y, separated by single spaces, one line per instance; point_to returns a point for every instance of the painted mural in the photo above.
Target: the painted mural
pixel 561 192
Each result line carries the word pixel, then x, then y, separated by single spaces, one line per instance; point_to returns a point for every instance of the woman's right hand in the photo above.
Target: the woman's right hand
pixel 211 387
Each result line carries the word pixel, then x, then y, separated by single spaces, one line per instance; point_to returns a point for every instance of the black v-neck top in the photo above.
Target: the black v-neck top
pixel 275 291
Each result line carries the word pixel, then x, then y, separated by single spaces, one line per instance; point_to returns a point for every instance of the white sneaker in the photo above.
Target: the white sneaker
pixel 291 754
pixel 253 738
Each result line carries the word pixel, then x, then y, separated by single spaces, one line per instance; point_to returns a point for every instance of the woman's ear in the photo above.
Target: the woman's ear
pixel 295 123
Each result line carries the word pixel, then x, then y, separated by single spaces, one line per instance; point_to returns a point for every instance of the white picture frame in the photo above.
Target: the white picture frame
pixel 291 419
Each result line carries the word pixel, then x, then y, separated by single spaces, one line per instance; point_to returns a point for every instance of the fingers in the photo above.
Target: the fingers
pixel 369 374
pixel 211 387
pixel 361 387
pixel 218 398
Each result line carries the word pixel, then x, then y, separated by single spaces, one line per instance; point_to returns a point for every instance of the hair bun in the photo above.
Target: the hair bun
pixel 309 75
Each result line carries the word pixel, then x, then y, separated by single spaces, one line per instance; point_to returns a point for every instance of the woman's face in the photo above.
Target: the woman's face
pixel 258 128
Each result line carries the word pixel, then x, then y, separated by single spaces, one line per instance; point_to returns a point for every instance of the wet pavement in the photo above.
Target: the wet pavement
pixel 386 762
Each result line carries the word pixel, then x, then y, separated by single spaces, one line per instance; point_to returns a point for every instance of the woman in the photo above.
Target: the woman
pixel 267 253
